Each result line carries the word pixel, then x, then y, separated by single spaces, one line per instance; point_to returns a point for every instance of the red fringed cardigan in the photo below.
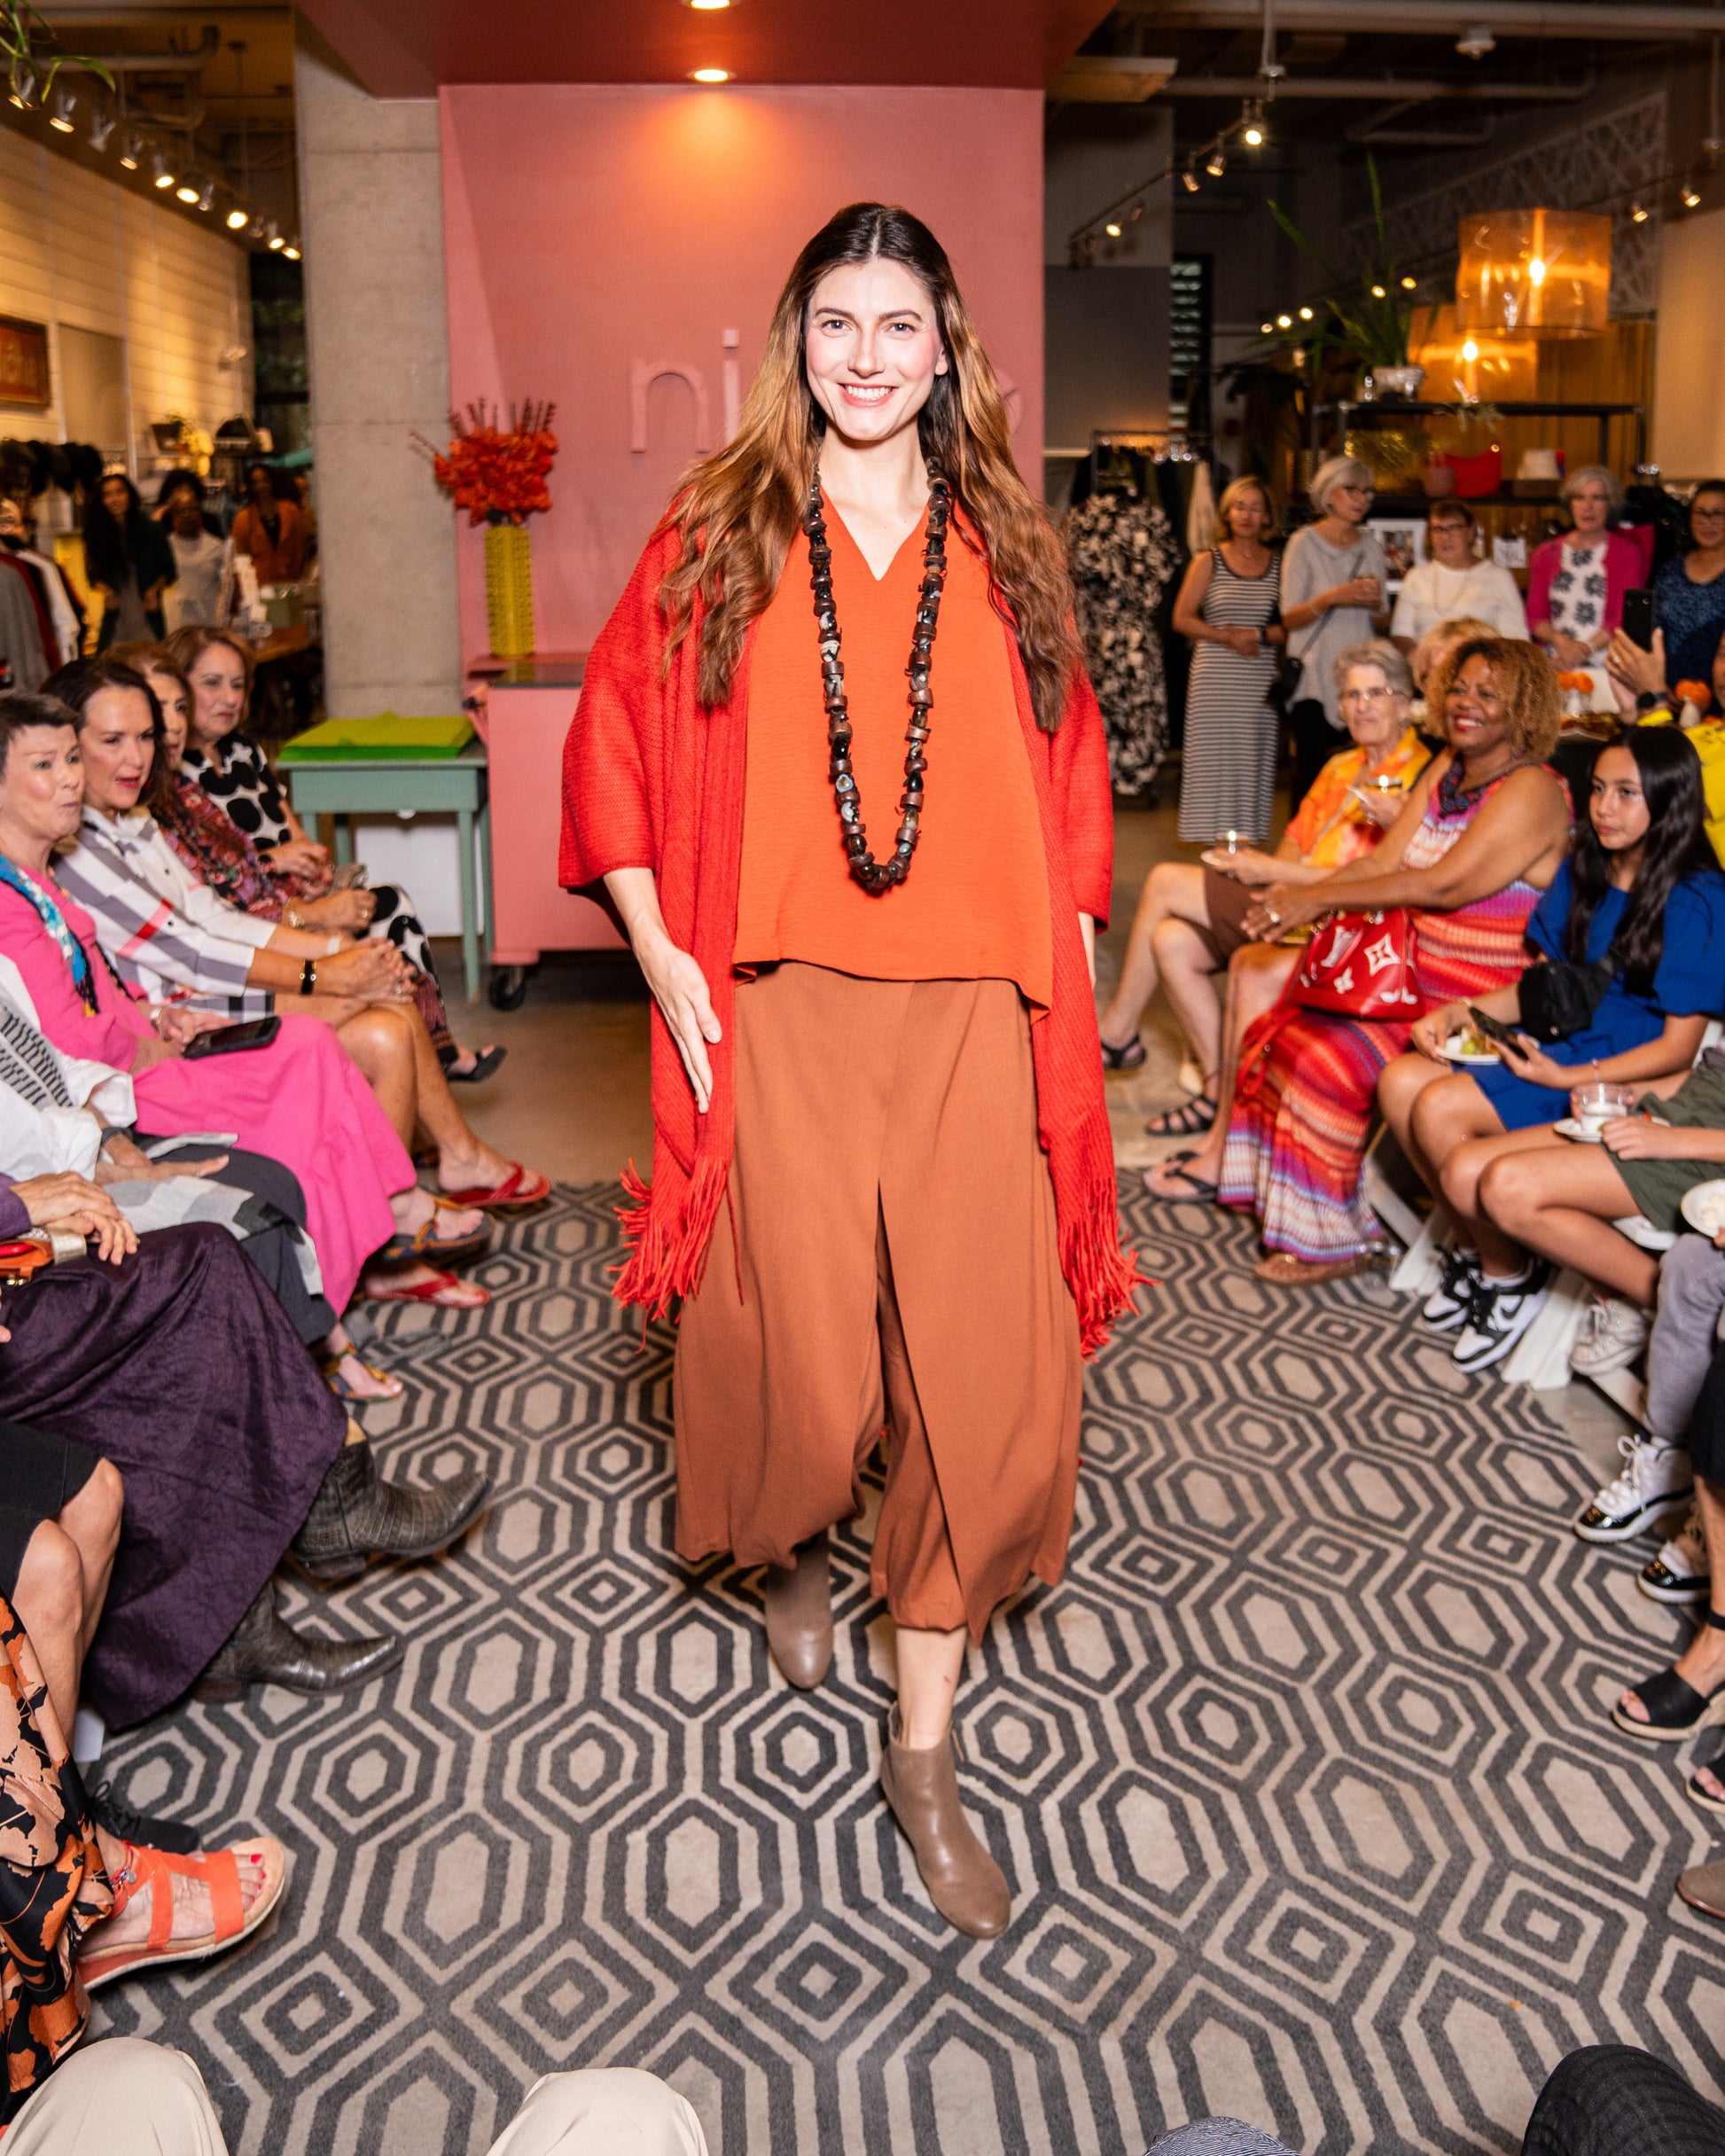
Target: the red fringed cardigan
pixel 653 778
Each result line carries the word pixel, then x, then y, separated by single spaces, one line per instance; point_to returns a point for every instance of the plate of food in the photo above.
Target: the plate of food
pixel 1469 1046
pixel 1704 1207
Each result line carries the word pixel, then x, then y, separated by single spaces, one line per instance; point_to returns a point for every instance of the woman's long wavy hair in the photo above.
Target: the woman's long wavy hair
pixel 1676 846
pixel 739 508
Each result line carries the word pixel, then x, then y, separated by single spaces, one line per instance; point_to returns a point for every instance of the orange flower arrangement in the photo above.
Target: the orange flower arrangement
pixel 1579 682
pixel 498 476
pixel 1696 692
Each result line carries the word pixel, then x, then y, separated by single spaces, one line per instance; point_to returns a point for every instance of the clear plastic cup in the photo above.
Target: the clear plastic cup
pixel 1597 1105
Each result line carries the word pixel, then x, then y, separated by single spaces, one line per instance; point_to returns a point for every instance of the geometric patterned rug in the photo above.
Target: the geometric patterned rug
pixel 1302 1776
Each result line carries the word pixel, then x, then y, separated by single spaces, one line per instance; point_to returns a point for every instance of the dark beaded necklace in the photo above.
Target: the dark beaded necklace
pixel 874 875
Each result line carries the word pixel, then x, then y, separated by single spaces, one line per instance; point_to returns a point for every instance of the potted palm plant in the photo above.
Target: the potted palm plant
pixel 1370 316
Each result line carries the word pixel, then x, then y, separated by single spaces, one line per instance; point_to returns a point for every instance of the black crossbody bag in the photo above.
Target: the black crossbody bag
pixel 1558 999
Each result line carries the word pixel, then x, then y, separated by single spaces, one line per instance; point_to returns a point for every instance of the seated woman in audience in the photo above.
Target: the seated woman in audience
pixel 1482 835
pixel 299 1099
pixel 229 816
pixel 1576 582
pixel 173 1364
pixel 1695 705
pixel 1355 797
pixel 1452 582
pixel 1689 608
pixel 1639 891
pixel 134 886
pixel 60 1115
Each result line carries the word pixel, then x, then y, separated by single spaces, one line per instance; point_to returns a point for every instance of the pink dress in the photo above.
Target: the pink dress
pixel 301 1100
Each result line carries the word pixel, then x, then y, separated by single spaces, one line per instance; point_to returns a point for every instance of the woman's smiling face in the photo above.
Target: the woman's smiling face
pixel 871 349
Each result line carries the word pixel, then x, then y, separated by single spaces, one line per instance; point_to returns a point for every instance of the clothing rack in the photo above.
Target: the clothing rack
pixel 1160 445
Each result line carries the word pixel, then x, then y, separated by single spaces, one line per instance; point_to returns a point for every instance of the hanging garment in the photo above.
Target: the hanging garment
pixel 23 647
pixel 1124 555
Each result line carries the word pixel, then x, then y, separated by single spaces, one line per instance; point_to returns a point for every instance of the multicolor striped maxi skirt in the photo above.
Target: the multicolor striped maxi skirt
pixel 1301 1116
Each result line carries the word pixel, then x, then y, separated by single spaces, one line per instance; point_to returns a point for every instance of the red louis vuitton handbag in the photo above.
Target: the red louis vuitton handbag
pixel 1361 965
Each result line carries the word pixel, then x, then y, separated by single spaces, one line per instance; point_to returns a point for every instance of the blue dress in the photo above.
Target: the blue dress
pixel 1692 616
pixel 1689 983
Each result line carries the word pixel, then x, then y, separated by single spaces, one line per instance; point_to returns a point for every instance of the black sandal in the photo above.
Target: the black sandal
pixel 1674 1708
pixel 1190 1121
pixel 1715 1766
pixel 1201 1192
pixel 1127 1058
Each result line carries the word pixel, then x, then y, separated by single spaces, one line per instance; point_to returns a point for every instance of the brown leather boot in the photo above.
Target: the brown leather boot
pixel 798 1599
pixel 963 1881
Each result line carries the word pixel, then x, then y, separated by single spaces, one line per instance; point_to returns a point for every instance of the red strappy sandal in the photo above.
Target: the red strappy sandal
pixel 522 1187
pixel 156 1869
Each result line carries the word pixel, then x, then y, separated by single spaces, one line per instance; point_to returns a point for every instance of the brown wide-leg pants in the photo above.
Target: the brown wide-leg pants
pixel 887 1253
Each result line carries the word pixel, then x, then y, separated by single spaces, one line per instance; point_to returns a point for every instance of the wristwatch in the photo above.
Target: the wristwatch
pixel 309 978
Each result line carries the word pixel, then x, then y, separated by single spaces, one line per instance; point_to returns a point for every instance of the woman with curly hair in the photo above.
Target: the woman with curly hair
pixel 1483 834
pixel 882 1183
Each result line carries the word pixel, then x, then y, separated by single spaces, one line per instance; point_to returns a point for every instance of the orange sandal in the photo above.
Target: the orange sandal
pixel 156 1869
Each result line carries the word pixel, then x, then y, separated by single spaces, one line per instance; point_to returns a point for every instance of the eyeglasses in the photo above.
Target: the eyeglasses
pixel 1379 695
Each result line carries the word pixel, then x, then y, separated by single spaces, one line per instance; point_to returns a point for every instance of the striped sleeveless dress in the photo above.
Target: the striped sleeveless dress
pixel 1297 1136
pixel 1228 780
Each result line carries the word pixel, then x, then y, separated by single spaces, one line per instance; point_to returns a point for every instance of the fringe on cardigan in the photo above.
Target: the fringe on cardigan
pixel 668 1244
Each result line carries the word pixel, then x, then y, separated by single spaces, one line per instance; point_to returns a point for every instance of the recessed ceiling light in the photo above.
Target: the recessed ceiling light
pixel 237 220
pixel 709 74
pixel 186 193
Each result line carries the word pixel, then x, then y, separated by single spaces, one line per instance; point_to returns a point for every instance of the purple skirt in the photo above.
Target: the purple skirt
pixel 180 1367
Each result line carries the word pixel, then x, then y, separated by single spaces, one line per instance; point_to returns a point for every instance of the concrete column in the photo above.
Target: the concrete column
pixel 370 198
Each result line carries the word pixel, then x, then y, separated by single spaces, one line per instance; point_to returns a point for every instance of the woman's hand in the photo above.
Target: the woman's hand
pixel 1245 641
pixel 1642 673
pixel 1378 806
pixel 1638 1138
pixel 75 1206
pixel 177 1025
pixel 1257 870
pixel 1527 1060
pixel 122 1161
pixel 377 971
pixel 300 857
pixel 679 988
pixel 349 909
pixel 1285 906
pixel 1570 651
pixel 1432 1031
pixel 1357 591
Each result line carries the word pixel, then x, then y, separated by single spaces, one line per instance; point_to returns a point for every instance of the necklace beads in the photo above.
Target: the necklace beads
pixel 878 876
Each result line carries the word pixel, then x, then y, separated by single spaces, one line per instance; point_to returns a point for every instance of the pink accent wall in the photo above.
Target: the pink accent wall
pixel 597 235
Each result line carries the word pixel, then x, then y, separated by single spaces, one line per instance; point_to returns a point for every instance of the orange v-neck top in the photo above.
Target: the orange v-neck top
pixel 975 905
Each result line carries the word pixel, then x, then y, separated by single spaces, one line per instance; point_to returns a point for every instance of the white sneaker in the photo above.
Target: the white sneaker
pixel 1500 1315
pixel 1680 1572
pixel 1613 1332
pixel 1656 1479
pixel 1449 1302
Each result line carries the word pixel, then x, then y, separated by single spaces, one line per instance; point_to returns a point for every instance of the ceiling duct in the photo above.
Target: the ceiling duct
pixel 1635 23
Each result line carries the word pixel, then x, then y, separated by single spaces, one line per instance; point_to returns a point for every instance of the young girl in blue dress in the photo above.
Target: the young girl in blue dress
pixel 1640 889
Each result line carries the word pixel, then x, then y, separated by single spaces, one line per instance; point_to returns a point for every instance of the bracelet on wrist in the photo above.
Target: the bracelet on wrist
pixel 309 978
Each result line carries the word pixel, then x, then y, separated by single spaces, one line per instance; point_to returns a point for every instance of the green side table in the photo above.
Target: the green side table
pixel 446 784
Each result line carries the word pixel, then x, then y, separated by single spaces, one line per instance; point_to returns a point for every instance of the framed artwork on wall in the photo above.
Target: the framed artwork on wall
pixel 24 364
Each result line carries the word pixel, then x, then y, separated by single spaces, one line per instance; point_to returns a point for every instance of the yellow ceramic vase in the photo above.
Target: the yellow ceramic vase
pixel 509 590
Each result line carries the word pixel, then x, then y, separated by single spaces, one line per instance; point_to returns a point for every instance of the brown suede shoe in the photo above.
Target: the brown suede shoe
pixel 1703 1887
pixel 799 1600
pixel 963 1881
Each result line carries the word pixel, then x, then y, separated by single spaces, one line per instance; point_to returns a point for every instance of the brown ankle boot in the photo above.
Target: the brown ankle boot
pixel 799 1601
pixel 963 1881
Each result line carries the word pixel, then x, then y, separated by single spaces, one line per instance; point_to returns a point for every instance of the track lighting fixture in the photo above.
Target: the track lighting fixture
pixel 1189 180
pixel 1253 129
pixel 21 87
pixel 60 116
pixel 709 74
pixel 274 236
pixel 237 220
pixel 1378 292
pixel 102 124
pixel 185 191
pixel 1267 329
pixel 291 253
pixel 1306 313
pixel 161 171
pixel 206 196
pixel 1216 163
pixel 1638 215
pixel 132 155
pixel 1409 284
pixel 1691 195
pixel 1112 230
pixel 1284 322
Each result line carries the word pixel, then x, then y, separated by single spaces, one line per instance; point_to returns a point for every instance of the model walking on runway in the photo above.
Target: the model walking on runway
pixel 839 771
